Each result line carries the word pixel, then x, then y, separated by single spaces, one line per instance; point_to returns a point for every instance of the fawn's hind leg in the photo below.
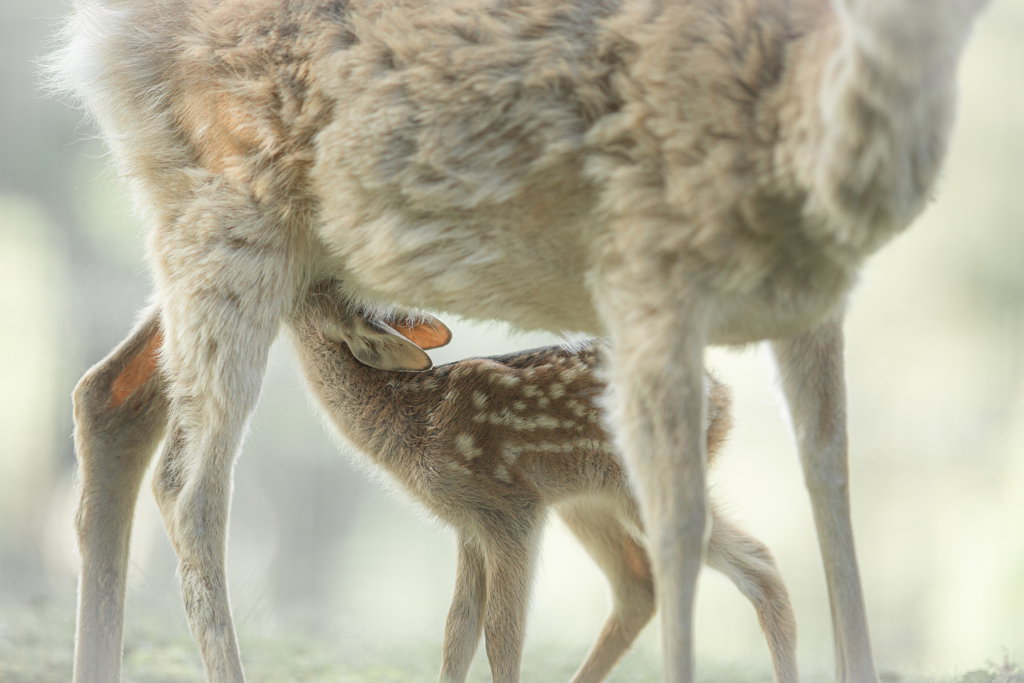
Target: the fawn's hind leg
pixel 750 566
pixel 628 570
pixel 120 415
pixel 465 620
pixel 227 276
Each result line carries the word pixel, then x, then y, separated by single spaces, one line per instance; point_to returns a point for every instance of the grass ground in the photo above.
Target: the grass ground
pixel 36 647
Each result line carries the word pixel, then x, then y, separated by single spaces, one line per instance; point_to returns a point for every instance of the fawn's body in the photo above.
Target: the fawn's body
pixel 666 174
pixel 488 445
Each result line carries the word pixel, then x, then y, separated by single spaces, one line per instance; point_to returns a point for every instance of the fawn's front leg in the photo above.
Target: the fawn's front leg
pixel 465 620
pixel 509 554
pixel 811 370
pixel 120 415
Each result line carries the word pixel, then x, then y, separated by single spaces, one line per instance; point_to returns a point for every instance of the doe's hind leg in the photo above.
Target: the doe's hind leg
pixel 226 278
pixel 120 415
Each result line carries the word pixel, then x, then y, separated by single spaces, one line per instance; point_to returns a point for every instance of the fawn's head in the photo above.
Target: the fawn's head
pixel 387 341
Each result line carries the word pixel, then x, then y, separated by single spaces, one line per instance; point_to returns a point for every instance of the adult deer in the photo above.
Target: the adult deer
pixel 665 174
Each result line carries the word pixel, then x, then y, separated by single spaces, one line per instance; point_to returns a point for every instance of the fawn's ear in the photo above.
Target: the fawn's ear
pixel 425 331
pixel 379 346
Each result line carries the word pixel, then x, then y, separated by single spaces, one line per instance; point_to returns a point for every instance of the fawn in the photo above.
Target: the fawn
pixel 664 174
pixel 487 445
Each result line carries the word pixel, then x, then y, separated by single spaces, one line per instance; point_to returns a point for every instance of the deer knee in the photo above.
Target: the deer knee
pixel 119 407
pixel 169 477
pixel 89 398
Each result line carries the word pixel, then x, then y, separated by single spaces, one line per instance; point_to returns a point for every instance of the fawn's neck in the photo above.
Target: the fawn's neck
pixel 383 414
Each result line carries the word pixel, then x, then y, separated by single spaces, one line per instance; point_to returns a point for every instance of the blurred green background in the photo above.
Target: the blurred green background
pixel 330 573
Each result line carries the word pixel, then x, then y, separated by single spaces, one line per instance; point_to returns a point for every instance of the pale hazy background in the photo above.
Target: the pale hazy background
pixel 935 357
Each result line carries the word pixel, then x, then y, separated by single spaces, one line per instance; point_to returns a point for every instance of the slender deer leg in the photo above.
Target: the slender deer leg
pixel 666 458
pixel 750 566
pixel 223 299
pixel 509 562
pixel 465 620
pixel 625 564
pixel 657 406
pixel 192 485
pixel 811 370
pixel 120 415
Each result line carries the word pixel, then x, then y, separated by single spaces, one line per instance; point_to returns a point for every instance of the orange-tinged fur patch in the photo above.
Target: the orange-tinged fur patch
pixel 136 371
pixel 636 561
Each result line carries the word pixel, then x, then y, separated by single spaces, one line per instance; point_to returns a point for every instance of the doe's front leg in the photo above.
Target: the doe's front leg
pixel 811 372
